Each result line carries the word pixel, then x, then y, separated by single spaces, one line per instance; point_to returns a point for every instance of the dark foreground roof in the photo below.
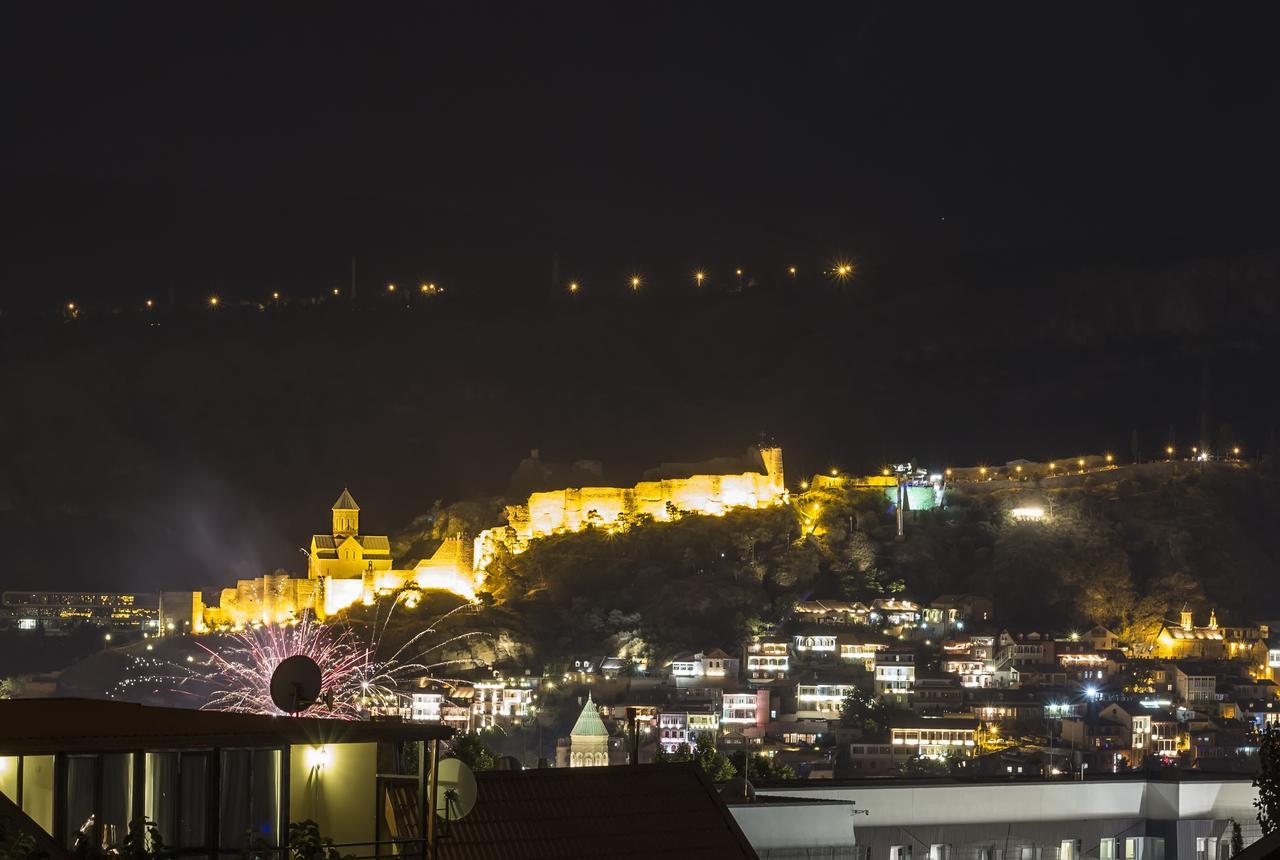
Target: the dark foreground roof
pixel 651 810
pixel 1266 848
pixel 41 726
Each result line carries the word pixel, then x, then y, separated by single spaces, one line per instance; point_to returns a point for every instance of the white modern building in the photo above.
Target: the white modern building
pixel 1099 819
pixel 820 701
pixel 739 711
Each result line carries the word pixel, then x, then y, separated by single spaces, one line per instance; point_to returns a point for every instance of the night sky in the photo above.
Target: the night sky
pixel 155 150
pixel 1063 221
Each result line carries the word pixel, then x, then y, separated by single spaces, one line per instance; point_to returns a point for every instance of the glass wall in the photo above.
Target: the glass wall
pixel 250 803
pixel 78 809
pixel 98 804
pixel 193 801
pixel 160 794
pixel 176 797
pixel 117 798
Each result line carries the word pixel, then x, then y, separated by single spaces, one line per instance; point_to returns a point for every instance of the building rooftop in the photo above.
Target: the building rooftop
pixel 589 722
pixel 43 726
pixel 651 810
pixel 915 722
pixel 345 502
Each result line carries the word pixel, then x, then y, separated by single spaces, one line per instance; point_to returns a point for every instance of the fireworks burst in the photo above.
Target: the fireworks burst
pixel 235 674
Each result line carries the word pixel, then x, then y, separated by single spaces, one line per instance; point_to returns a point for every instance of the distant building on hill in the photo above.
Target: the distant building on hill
pixel 1211 642
pixel 577 508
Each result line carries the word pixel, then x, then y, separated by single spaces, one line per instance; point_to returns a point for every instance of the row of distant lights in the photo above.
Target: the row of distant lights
pixel 1080 463
pixel 841 272
pixel 426 288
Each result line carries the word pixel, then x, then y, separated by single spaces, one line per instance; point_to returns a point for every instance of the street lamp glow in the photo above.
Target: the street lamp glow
pixel 573 286
pixel 792 271
pixel 635 282
pixel 275 296
pixel 834 471
pixel 1236 451
pixel 1052 466
pixel 150 303
pixel 738 272
pixel 213 301
pixel 1110 458
pixel 71 306
pixel 1080 463
pixel 335 291
pixel 391 288
pixel 699 277
pixel 949 472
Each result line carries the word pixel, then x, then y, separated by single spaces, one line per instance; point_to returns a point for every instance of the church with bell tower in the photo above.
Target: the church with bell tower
pixel 344 553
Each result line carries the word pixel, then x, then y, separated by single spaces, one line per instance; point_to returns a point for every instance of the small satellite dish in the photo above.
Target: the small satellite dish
pixel 455 789
pixel 295 684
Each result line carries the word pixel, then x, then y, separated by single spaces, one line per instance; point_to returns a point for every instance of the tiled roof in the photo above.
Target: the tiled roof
pixel 345 502
pixel 650 810
pixel 374 543
pixel 323 541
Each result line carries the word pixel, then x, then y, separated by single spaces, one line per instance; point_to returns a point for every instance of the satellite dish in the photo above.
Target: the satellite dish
pixel 295 684
pixel 455 789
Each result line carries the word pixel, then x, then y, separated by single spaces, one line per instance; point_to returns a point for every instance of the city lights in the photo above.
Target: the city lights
pixel 391 288
pixel 150 303
pixel 213 301
pixel 699 277
pixel 635 282
pixel 573 286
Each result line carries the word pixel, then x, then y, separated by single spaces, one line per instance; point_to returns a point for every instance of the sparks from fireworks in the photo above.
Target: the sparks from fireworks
pixel 236 675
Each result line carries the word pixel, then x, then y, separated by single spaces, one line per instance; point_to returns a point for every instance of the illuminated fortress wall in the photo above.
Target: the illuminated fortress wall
pixel 572 510
pixel 346 567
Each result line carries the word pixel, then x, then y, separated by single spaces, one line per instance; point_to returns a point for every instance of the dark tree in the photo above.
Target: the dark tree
pixel 1267 782
pixel 471 751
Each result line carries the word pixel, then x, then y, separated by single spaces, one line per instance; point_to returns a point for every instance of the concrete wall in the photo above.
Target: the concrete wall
pixel 340 796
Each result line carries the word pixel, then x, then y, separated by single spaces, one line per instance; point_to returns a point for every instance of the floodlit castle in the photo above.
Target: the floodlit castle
pixel 345 567
pixel 572 510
